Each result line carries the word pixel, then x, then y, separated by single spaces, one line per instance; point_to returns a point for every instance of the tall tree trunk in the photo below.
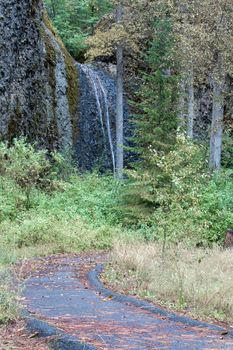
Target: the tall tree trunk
pixel 190 119
pixel 182 106
pixel 217 123
pixel 119 105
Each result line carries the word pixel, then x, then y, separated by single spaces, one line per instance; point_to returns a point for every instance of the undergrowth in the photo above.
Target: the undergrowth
pixel 46 207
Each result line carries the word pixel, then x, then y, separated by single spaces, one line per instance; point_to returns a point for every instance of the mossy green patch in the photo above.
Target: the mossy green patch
pixel 71 72
pixel 50 51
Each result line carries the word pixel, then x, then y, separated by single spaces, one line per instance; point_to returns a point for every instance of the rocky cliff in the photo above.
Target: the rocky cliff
pixel 38 78
pixel 46 96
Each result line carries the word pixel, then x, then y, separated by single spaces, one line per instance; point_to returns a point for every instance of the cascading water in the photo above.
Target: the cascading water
pixel 97 119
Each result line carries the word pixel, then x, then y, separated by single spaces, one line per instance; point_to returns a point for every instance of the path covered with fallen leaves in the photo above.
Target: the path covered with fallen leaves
pixel 57 290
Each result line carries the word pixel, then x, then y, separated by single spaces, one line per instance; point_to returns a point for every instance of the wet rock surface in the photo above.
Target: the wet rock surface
pixel 48 98
pixel 22 77
pixel 96 144
pixel 58 291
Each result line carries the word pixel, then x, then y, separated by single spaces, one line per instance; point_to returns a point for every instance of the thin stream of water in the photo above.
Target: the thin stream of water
pixel 102 104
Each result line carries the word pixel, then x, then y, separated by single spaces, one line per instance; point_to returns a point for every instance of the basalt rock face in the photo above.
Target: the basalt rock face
pixel 38 78
pixel 46 96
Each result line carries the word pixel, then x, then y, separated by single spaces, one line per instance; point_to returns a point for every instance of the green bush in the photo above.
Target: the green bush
pixel 8 307
pixel 227 150
pixel 12 199
pixel 54 233
pixel 27 167
pixel 8 302
pixel 179 199
pixel 93 197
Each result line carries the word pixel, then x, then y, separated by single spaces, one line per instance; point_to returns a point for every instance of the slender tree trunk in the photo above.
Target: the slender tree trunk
pixel 92 14
pixel 53 8
pixel 182 107
pixel 119 105
pixel 217 123
pixel 190 119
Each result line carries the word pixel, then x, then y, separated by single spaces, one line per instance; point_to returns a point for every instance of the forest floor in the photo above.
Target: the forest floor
pixel 58 290
pixel 15 337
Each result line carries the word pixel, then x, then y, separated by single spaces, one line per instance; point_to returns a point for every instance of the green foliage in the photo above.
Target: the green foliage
pixel 12 199
pixel 55 234
pixel 22 170
pixel 75 21
pixel 156 124
pixel 66 211
pixel 216 203
pixel 91 196
pixel 172 176
pixel 192 206
pixel 8 308
pixel 227 151
pixel 23 164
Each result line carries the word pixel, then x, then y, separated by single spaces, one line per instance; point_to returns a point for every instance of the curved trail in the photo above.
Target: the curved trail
pixel 59 292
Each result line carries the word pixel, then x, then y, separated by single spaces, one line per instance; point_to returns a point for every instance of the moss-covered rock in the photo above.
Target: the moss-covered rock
pixel 38 78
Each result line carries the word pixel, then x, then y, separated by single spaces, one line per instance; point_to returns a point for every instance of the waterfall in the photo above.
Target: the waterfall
pixel 98 92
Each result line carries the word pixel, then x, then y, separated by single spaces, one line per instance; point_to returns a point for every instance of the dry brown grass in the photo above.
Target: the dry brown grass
pixel 198 281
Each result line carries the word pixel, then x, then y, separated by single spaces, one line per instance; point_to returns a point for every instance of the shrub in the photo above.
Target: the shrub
pixel 179 200
pixel 27 167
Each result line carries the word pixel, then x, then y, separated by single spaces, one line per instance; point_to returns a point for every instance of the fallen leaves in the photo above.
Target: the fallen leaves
pixel 15 337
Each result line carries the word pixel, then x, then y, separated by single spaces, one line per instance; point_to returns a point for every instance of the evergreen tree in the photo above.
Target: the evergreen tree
pixel 75 21
pixel 156 123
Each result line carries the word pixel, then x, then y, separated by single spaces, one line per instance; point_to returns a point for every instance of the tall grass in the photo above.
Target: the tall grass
pixel 199 281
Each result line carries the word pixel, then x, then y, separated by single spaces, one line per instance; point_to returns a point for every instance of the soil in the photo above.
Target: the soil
pixel 15 337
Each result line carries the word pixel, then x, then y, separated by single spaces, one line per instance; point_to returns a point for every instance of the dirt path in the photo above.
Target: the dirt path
pixel 58 290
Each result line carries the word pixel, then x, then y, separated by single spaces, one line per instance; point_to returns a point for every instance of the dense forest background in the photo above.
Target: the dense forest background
pixel 179 58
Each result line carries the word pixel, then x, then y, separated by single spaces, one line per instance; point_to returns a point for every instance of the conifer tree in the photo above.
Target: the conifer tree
pixel 75 21
pixel 156 121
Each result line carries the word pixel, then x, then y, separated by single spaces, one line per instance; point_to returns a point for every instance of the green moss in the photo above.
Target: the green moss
pixel 48 23
pixel 50 51
pixel 72 92
pixel 71 71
